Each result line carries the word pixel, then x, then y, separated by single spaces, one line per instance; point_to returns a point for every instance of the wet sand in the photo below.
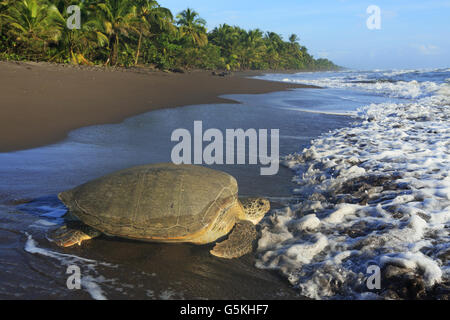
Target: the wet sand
pixel 121 269
pixel 40 103
pixel 31 267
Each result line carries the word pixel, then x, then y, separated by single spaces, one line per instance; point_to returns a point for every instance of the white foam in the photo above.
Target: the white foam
pixel 417 260
pixel 400 89
pixel 335 113
pixel 91 286
pixel 340 214
pixel 324 247
pixel 411 89
pixel 66 259
pixel 167 295
pixel 308 222
pixel 89 282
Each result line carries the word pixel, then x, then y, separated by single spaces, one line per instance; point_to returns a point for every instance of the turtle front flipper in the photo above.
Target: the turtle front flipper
pixel 68 236
pixel 239 242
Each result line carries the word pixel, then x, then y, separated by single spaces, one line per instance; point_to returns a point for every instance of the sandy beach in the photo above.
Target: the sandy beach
pixel 104 130
pixel 41 103
pixel 62 126
pixel 346 137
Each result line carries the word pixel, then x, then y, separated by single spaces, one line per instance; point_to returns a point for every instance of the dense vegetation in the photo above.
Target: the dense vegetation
pixel 141 32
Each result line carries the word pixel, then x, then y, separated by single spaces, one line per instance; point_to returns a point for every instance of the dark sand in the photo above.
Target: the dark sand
pixel 40 103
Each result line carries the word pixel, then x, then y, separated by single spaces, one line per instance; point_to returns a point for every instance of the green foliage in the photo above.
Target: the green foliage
pixel 192 28
pixel 131 32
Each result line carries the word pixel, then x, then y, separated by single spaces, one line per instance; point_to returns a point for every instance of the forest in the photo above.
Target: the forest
pixel 142 33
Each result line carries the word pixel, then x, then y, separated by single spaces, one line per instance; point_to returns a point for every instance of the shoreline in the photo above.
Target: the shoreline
pixel 42 102
pixel 41 173
pixel 104 97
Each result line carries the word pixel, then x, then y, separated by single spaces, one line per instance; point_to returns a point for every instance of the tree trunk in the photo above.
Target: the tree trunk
pixel 138 49
pixel 115 53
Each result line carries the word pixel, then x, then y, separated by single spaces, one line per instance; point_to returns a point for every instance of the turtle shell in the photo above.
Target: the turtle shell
pixel 162 202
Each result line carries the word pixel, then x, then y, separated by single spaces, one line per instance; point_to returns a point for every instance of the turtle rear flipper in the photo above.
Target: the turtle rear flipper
pixel 239 242
pixel 68 236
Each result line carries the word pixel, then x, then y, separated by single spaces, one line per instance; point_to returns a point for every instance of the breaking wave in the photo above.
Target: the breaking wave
pixel 376 193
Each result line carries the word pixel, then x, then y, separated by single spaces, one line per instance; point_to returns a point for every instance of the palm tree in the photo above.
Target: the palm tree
pixel 293 38
pixel 78 44
pixel 192 27
pixel 225 37
pixel 130 31
pixel 4 4
pixel 119 17
pixel 275 40
pixel 150 15
pixel 252 48
pixel 31 22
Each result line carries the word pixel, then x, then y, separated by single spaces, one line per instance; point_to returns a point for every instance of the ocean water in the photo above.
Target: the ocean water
pixel 33 267
pixel 364 182
pixel 374 193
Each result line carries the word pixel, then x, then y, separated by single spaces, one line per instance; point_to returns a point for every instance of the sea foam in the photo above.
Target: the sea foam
pixel 91 282
pixel 377 193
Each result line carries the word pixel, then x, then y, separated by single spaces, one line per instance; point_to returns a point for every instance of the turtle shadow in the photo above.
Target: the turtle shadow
pixel 193 270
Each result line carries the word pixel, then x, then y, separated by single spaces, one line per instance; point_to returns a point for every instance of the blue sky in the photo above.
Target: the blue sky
pixel 413 34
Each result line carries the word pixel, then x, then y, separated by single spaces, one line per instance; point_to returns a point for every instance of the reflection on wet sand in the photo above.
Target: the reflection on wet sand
pixel 32 267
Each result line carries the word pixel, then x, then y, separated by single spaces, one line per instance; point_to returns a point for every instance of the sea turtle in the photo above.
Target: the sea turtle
pixel 163 203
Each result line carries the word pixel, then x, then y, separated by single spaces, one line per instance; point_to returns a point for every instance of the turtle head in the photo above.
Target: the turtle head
pixel 255 209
